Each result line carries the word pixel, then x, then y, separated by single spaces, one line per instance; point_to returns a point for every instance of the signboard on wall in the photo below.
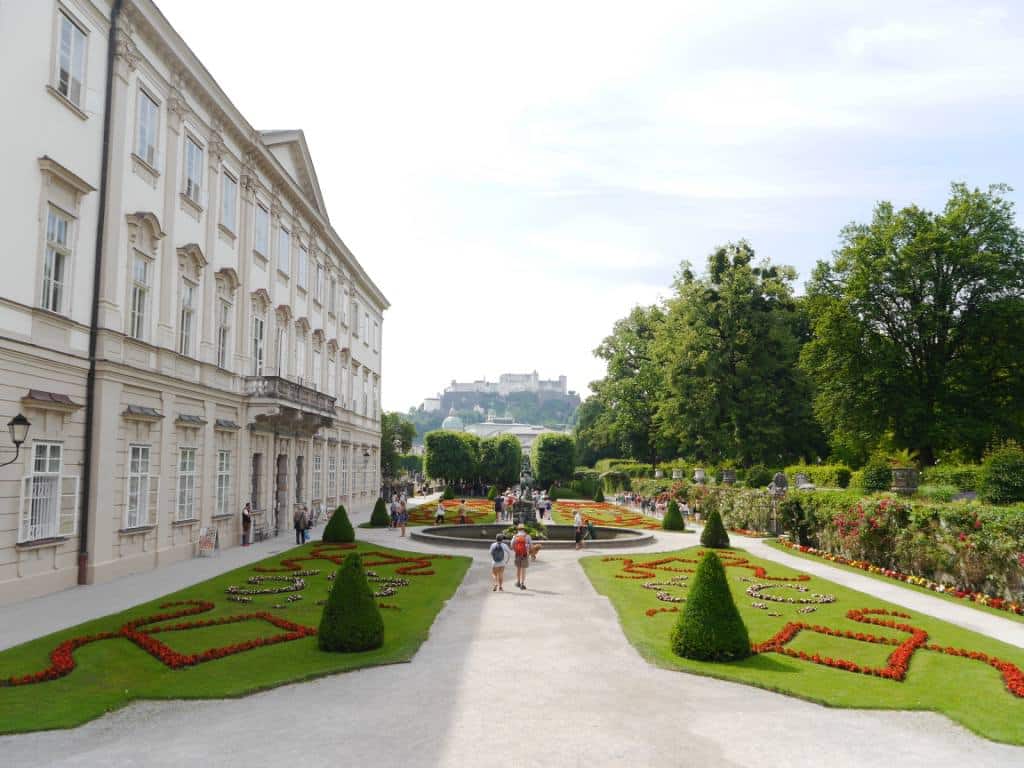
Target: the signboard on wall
pixel 208 544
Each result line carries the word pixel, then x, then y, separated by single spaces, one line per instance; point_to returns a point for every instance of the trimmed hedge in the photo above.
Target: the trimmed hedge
pixel 492 493
pixel 557 492
pixel 876 475
pixel 351 620
pixel 964 477
pixel 822 475
pixel 338 529
pixel 673 520
pixel 599 496
pixel 380 518
pixel 710 627
pixel 714 534
pixel 1002 475
pixel 448 494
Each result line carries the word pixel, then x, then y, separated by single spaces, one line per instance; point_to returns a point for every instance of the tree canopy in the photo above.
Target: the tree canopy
pixel 501 460
pixel 451 456
pixel 918 327
pixel 552 458
pixel 393 426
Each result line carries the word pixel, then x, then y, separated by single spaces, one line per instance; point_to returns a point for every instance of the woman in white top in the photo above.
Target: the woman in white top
pixel 500 554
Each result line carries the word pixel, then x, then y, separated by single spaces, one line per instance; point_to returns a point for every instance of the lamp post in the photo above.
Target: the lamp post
pixel 18 427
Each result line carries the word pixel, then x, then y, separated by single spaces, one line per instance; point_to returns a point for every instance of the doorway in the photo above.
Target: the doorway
pixel 280 490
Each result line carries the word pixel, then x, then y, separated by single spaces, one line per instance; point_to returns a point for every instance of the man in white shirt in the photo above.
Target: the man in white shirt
pixel 577 523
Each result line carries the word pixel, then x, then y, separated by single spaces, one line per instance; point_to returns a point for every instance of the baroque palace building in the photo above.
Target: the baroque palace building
pixel 179 320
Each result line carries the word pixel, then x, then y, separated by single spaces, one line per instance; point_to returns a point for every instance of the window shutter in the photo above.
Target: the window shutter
pixel 23 519
pixel 68 505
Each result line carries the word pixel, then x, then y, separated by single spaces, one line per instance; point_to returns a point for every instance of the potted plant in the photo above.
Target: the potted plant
pixel 904 472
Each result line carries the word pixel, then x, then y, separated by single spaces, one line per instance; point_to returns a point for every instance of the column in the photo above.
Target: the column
pixel 208 314
pixel 175 113
pixel 103 509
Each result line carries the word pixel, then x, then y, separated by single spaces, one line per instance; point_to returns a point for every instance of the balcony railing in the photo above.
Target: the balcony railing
pixel 276 388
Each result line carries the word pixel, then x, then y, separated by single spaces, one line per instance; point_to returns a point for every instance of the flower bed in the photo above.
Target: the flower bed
pixel 477 511
pixel 601 513
pixel 918 581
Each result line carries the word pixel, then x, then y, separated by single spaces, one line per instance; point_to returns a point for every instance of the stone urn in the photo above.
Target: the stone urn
pixel 658 474
pixel 729 476
pixel 904 480
pixel 699 476
pixel 677 474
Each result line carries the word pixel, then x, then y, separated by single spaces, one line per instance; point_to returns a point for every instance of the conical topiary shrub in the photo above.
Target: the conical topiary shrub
pixel 492 492
pixel 714 534
pixel 599 496
pixel 448 494
pixel 380 518
pixel 338 529
pixel 351 620
pixel 673 519
pixel 709 627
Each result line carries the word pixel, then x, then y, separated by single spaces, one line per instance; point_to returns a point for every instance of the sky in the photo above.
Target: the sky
pixel 517 176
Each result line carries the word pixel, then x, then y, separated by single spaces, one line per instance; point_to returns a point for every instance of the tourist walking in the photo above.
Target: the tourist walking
pixel 499 503
pixel 439 515
pixel 309 524
pixel 521 546
pixel 403 516
pixel 577 523
pixel 299 523
pixel 500 555
pixel 246 523
pixel 462 512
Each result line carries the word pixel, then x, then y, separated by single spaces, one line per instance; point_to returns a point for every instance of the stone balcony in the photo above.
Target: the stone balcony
pixel 287 406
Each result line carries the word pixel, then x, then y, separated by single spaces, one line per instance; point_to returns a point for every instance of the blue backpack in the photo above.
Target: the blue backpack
pixel 497 553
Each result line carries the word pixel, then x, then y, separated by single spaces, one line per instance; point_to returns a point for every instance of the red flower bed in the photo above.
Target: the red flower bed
pixel 863 565
pixel 645 570
pixel 335 553
pixel 476 510
pixel 603 513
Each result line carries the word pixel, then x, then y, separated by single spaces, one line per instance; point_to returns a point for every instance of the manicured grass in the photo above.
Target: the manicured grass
pixel 111 673
pixel 968 691
pixel 879 577
pixel 602 513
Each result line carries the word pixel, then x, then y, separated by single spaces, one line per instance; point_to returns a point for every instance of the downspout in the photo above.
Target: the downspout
pixel 90 381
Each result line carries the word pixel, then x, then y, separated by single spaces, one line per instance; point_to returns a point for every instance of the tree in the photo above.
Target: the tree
pixel 918 327
pixel 393 426
pixel 339 529
pixel 451 456
pixel 351 620
pixel 593 439
pixel 552 458
pixel 625 414
pixel 728 349
pixel 710 627
pixel 501 460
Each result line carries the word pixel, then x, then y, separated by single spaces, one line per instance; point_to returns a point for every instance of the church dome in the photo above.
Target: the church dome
pixel 453 423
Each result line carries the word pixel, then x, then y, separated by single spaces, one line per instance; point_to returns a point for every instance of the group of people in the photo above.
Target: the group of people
pixel 504 504
pixel 522 550
pixel 399 512
pixel 303 522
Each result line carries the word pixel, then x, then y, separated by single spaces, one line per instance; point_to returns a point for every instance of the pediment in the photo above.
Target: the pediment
pixel 292 152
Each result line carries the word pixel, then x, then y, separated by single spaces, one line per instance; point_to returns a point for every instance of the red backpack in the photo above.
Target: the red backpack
pixel 519 545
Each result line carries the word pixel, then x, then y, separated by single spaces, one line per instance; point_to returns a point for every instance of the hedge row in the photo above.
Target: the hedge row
pixel 822 475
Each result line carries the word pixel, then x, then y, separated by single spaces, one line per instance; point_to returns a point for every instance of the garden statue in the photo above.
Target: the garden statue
pixel 779 484
pixel 699 476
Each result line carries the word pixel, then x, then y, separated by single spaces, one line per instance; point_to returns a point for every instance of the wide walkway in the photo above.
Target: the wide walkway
pixel 543 677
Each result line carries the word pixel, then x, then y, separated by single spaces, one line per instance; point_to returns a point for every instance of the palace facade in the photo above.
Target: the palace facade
pixel 232 340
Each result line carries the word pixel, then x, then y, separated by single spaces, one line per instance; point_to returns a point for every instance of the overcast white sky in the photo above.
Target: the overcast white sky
pixel 516 176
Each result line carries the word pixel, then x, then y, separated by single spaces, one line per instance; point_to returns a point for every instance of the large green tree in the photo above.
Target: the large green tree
pixel 625 413
pixel 727 350
pixel 593 438
pixel 501 460
pixel 451 456
pixel 394 427
pixel 552 457
pixel 918 327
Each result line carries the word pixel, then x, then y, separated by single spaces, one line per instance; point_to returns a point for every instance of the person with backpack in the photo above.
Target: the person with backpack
pixel 522 545
pixel 577 524
pixel 500 555
pixel 403 516
pixel 299 522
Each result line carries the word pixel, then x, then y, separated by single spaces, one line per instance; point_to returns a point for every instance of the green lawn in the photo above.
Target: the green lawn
pixel 111 673
pixel 887 580
pixel 968 691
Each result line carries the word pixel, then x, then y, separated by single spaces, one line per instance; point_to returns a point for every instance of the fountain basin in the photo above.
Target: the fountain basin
pixel 559 536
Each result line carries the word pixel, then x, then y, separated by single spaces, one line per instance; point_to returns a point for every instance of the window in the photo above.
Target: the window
pixel 223 482
pixel 318 286
pixel 139 298
pixel 343 314
pixel 364 331
pixel 300 485
pixel 355 318
pixel 193 170
pixel 332 475
pixel 344 472
pixel 186 484
pixel 331 378
pixel 44 510
pixel 56 260
pixel 71 61
pixel 257 345
pixel 342 393
pixel 284 250
pixel 147 129
pixel 262 243
pixel 366 395
pixel 303 268
pixel 376 336
pixel 282 351
pixel 257 481
pixel 229 203
pixel 317 370
pixel 300 356
pixel 223 333
pixel 333 298
pixel 137 506
pixel 186 326
pixel 317 474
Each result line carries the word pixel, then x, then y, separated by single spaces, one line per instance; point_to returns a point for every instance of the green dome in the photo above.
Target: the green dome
pixel 453 423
